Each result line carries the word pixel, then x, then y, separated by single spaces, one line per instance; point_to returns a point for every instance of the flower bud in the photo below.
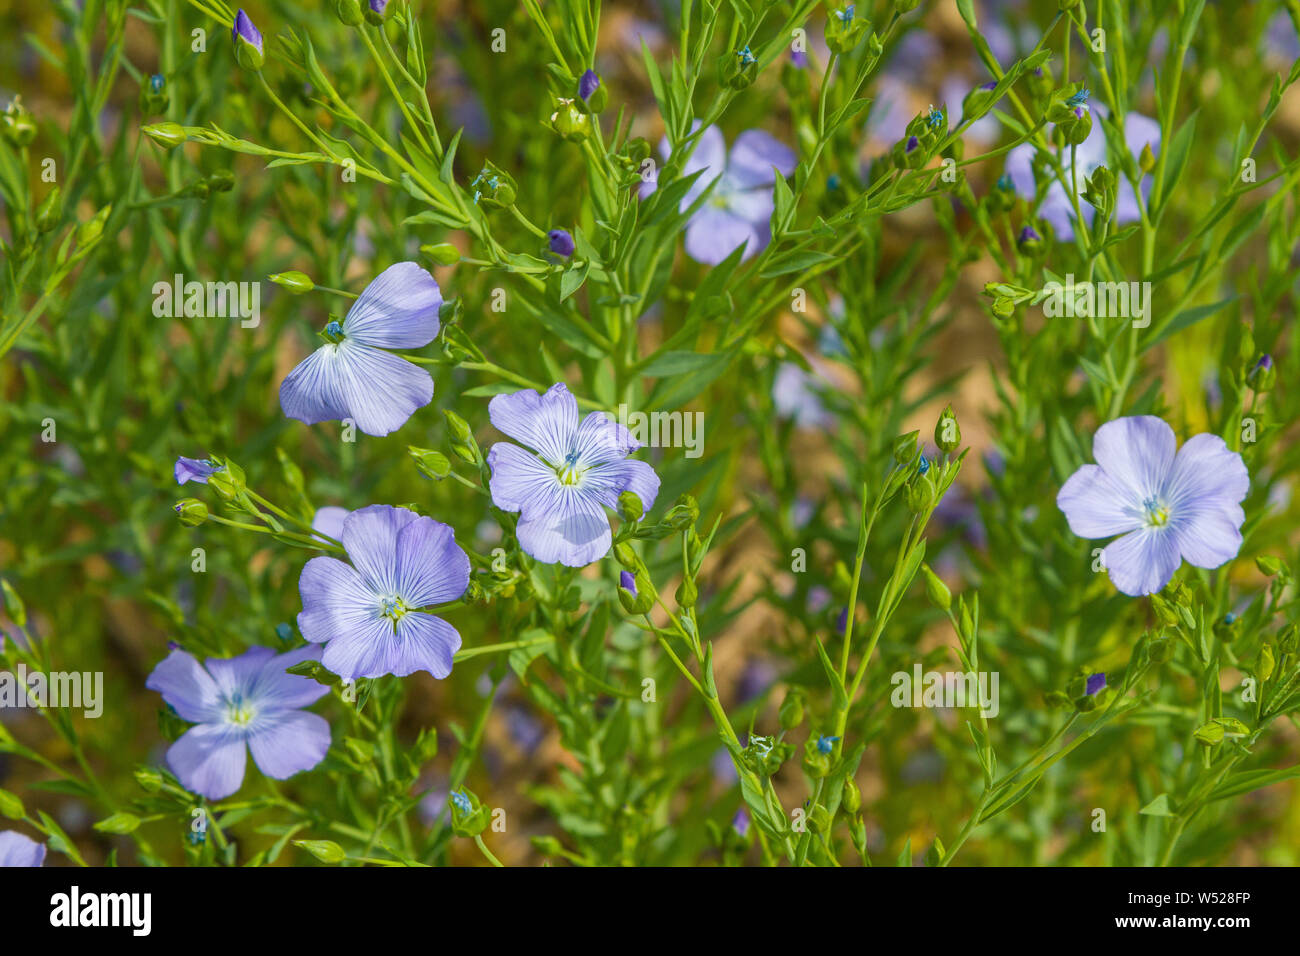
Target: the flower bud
pixel 936 590
pixel 248 43
pixel 592 95
pixel 1264 665
pixel 1263 375
pixel 167 135
pixel 457 426
pixel 683 514
pixel 630 507
pixel 17 124
pixel 626 556
pixel 377 11
pixel 153 97
pixel 443 254
pixel 919 494
pixel 560 243
pixel 469 818
pixel 493 187
pixel 89 231
pixel 947 433
pixel 792 709
pixel 295 282
pixel 845 29
pixel 349 12
pixel 570 122
pixel 431 464
pixel 192 511
pixel 851 796
pixel 905 447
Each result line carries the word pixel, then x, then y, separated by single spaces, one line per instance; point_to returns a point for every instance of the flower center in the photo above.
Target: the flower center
pixel 571 472
pixel 393 608
pixel 237 711
pixel 1157 512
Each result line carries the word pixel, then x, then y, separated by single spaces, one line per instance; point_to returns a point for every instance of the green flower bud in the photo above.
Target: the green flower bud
pixel 493 187
pixel 936 590
pixel 851 796
pixel 150 780
pixel 792 709
pixel 192 512
pixel 1100 191
pixel 919 494
pixel 153 98
pixel 1268 565
pixel 1288 641
pixel 570 122
pixel 295 282
pixel 626 556
pixel 683 514
pixel 349 12
pixel 167 135
pixel 457 426
pixel 88 232
pixel 431 464
pixel 443 254
pixel 947 433
pixel 1160 650
pixel 905 448
pixel 17 125
pixel 469 817
pixel 1209 734
pixel 630 506
pixel 1264 665
pixel 229 482
pixel 1147 159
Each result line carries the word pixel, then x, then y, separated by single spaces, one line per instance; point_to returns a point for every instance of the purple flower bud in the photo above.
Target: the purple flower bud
pixel 378 6
pixel 244 29
pixel 627 581
pixel 1095 683
pixel 1028 235
pixel 912 143
pixel 588 83
pixel 842 622
pixel 740 822
pixel 799 59
pixel 989 86
pixel 561 243
pixel 1265 362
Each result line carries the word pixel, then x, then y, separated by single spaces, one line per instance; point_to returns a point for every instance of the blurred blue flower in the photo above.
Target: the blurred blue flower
pixel 351 376
pixel 1168 507
pixel 739 210
pixel 367 613
pixel 19 850
pixel 1057 208
pixel 239 704
pixel 573 471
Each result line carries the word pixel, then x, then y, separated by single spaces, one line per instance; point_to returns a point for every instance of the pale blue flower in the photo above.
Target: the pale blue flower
pixel 1169 504
pixel 368 613
pixel 572 472
pixel 351 376
pixel 19 850
pixel 739 209
pixel 238 704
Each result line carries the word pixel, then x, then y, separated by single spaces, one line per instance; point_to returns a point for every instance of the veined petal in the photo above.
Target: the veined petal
pixel 1206 468
pixel 335 600
pixel 755 206
pixel 289 742
pixel 398 310
pixel 519 477
pixel 329 520
pixel 571 530
pixel 238 675
pixel 1137 453
pixel 209 759
pixel 600 438
pixel 755 154
pixel 545 423
pixel 424 643
pixel 186 687
pixel 370 537
pixel 606 482
pixel 431 567
pixel 1142 562
pixel 276 690
pixel 376 389
pixel 368 649
pixel 1095 506
pixel 1209 531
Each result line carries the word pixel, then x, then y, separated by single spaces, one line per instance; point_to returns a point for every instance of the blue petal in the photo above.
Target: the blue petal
pixel 398 310
pixel 546 423
pixel 376 389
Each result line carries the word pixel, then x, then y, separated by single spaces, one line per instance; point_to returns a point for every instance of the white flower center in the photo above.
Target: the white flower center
pixel 1155 512
pixel 239 711
pixel 571 472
